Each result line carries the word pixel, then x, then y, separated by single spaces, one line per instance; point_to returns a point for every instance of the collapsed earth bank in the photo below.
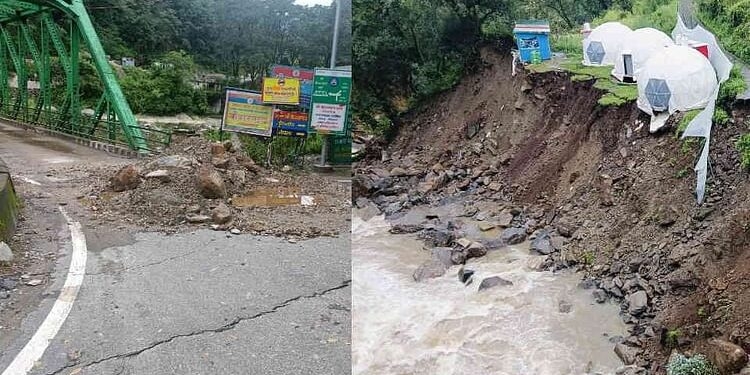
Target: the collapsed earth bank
pixel 538 155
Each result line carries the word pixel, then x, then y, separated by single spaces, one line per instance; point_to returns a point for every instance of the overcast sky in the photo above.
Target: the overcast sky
pixel 313 2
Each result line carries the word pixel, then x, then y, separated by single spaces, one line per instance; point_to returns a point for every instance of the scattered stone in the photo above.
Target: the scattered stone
pixel 486 226
pixel 443 255
pixel 211 184
pixel 728 358
pixel 4 294
pixel 464 242
pixel 197 219
pixel 625 353
pixel 631 370
pixel 398 172
pixel 600 295
pixel 565 229
pixel 161 175
pixel 513 236
pixel 405 228
pixel 492 282
pixel 194 209
pixel 504 219
pixel 476 250
pixel 542 244
pixel 429 270
pixel 34 282
pixel 127 178
pixel 217 149
pixel 221 163
pixel 222 214
pixel 637 303
pixel 172 161
pixel 6 255
pixel 235 231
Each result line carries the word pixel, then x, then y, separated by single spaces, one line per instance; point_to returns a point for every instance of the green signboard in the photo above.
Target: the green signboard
pixel 330 101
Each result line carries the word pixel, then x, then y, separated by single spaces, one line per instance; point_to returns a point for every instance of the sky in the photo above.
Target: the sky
pixel 313 2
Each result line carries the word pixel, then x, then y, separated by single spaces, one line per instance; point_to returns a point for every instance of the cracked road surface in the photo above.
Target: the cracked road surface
pixel 206 303
pixel 203 302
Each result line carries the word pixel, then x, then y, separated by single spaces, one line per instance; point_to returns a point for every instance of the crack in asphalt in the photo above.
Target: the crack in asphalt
pixel 223 328
pixel 142 266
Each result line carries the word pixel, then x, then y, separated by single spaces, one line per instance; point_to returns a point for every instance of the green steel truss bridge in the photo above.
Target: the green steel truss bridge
pixel 41 37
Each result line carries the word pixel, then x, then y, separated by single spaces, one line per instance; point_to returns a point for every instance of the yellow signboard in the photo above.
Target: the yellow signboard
pixel 281 91
pixel 244 112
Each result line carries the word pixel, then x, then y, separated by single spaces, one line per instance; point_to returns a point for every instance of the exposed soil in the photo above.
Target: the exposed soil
pixel 165 206
pixel 541 147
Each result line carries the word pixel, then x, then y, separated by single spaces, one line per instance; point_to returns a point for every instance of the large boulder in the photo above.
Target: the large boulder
pixel 127 178
pixel 211 184
pixel 492 282
pixel 727 357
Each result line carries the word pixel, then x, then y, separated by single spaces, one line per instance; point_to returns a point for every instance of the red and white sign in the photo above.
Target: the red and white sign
pixel 328 118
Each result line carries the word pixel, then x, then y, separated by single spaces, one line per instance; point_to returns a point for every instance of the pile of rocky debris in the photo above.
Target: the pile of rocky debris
pixel 200 184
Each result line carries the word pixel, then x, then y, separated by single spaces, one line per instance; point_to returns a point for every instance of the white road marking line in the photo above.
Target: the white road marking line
pixel 36 347
pixel 29 181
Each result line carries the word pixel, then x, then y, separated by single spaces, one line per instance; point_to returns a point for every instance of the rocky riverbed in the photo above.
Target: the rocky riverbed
pixel 591 189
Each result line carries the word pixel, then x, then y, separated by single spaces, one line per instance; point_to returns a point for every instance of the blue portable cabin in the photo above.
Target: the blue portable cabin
pixel 532 35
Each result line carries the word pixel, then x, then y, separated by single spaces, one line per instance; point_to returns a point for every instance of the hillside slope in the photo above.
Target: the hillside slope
pixel 540 148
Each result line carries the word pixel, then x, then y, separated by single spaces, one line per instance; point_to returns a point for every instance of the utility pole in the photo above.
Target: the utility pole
pixel 334 49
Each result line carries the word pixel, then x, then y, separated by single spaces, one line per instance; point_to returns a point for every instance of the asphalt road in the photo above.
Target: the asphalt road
pixel 203 302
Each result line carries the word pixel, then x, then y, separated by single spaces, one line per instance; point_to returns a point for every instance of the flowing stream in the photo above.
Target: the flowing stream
pixel 443 327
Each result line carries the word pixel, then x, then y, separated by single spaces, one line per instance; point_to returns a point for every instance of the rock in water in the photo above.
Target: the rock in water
pixel 429 270
pixel 197 219
pixel 476 250
pixel 625 353
pixel 492 282
pixel 443 255
pixel 210 184
pixel 465 275
pixel 514 236
pixel 728 358
pixel 127 178
pixel 221 214
pixel 6 255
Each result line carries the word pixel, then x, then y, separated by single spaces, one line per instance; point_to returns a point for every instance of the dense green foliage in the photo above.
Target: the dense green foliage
pixel 409 50
pixel 695 365
pixel 166 89
pixel 239 38
pixel 730 20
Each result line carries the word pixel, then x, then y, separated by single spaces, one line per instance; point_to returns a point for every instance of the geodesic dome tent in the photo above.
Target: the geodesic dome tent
pixel 604 42
pixel 640 47
pixel 678 78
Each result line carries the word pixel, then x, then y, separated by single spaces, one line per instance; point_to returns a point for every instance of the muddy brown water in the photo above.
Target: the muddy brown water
pixel 443 327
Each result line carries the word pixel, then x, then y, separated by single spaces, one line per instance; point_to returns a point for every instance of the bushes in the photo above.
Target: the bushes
pixel 743 146
pixel 695 365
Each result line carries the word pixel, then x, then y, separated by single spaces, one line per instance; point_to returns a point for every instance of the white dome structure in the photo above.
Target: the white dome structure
pixel 678 78
pixel 604 42
pixel 638 49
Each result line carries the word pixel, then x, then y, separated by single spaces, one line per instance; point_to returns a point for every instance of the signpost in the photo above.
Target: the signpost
pixel 330 101
pixel 305 77
pixel 290 123
pixel 284 91
pixel 244 112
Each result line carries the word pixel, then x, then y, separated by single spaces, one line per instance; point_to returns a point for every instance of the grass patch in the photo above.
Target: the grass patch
pixel 743 146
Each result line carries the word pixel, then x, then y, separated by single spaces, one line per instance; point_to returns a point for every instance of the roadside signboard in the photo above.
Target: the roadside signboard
pixel 330 100
pixel 244 112
pixel 290 123
pixel 305 77
pixel 281 91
